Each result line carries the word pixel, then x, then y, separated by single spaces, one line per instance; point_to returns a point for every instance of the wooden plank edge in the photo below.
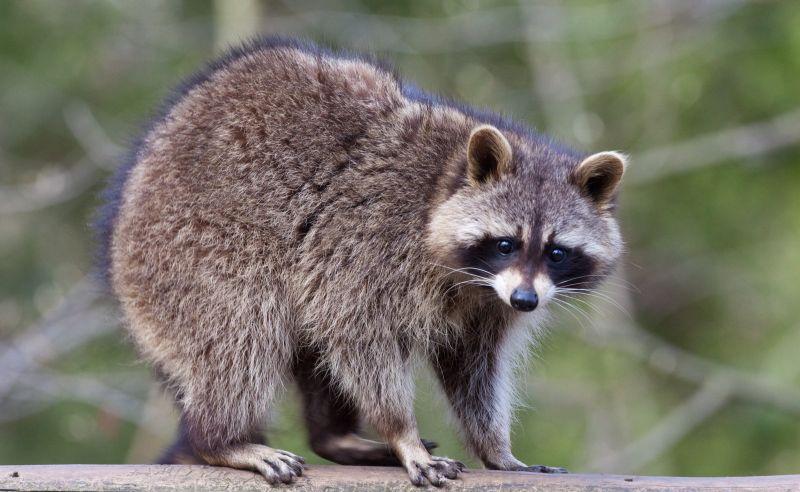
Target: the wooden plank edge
pixel 354 478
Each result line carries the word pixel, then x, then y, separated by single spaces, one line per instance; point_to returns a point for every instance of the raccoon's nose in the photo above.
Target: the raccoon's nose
pixel 524 299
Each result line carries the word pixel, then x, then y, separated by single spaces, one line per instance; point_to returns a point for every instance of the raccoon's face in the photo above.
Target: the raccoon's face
pixel 529 221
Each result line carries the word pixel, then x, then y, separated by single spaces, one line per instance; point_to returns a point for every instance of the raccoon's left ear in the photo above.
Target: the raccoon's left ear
pixel 488 155
pixel 599 175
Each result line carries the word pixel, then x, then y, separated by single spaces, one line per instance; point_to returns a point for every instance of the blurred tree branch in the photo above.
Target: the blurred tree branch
pixel 742 143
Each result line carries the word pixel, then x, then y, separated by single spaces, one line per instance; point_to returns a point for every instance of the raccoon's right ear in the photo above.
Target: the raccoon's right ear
pixel 488 155
pixel 599 176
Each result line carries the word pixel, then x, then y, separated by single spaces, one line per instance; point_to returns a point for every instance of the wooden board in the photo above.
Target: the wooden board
pixel 353 478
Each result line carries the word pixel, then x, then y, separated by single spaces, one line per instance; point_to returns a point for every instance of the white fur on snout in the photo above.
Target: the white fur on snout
pixel 505 282
pixel 544 288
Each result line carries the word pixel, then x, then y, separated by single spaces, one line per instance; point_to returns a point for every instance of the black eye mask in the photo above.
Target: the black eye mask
pixel 572 270
pixel 490 255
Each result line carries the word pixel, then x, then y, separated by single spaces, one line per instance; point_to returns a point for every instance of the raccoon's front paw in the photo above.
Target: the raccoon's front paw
pixel 540 469
pixel 436 471
pixel 275 465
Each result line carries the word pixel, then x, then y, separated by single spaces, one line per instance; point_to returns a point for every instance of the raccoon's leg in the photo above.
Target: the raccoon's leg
pixel 216 436
pixel 475 375
pixel 180 452
pixel 226 373
pixel 377 378
pixel 333 421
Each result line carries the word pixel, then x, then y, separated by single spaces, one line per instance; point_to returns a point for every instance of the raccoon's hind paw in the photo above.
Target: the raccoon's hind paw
pixel 275 465
pixel 540 469
pixel 436 471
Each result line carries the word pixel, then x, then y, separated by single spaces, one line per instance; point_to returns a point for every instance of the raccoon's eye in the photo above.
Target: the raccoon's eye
pixel 505 246
pixel 557 255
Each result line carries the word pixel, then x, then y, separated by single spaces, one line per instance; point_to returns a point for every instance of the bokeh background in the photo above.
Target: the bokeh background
pixel 687 363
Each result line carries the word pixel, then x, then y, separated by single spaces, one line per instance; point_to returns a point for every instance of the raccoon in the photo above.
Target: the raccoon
pixel 300 215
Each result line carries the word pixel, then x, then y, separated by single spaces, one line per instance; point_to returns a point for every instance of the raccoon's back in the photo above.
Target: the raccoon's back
pixel 279 154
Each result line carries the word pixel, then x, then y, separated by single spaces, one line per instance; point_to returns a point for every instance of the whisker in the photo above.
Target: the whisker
pixel 604 276
pixel 465 270
pixel 597 295
pixel 595 286
pixel 583 307
pixel 569 309
pixel 615 281
pixel 590 292
pixel 484 262
pixel 583 302
pixel 469 282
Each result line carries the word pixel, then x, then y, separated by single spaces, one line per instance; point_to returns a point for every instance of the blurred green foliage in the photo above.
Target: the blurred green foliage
pixel 712 240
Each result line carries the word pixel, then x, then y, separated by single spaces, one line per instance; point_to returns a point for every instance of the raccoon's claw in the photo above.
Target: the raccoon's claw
pixel 436 471
pixel 281 467
pixel 450 468
pixel 293 456
pixel 275 465
pixel 541 469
